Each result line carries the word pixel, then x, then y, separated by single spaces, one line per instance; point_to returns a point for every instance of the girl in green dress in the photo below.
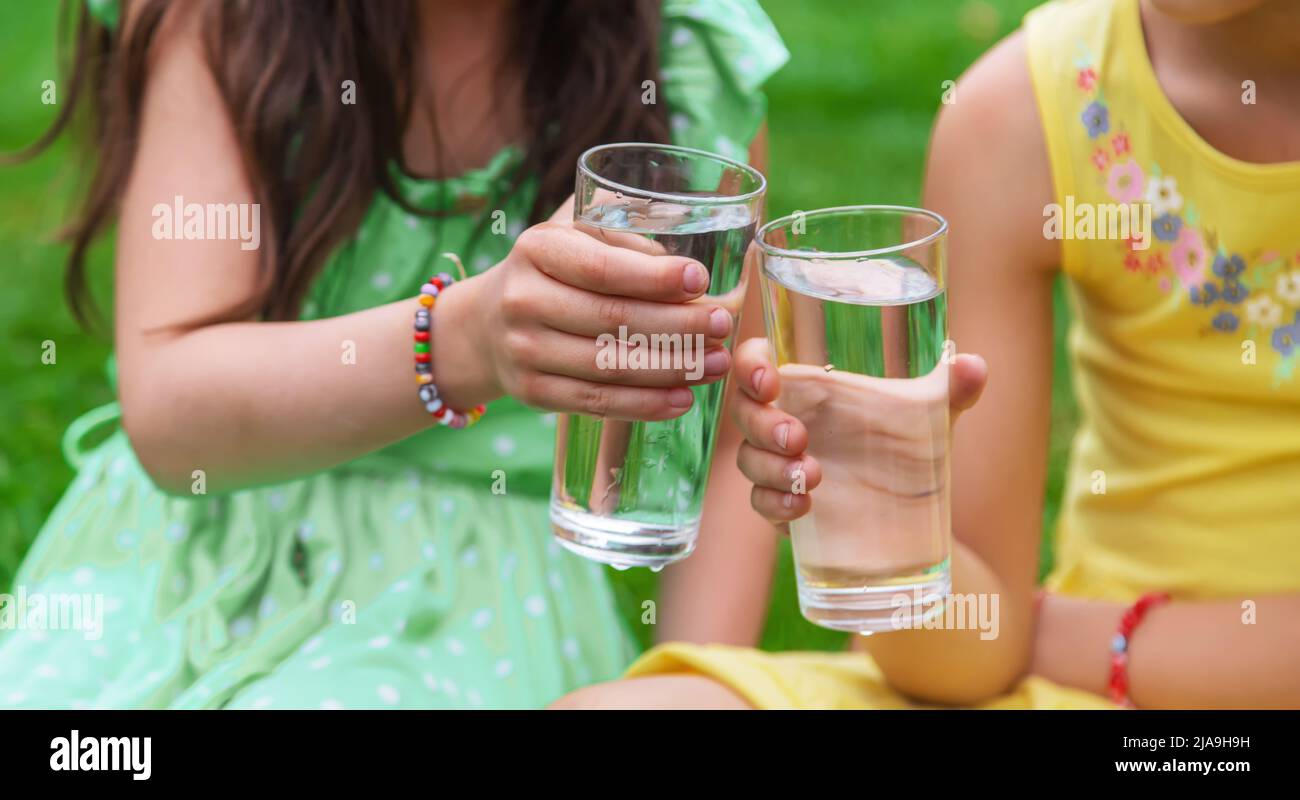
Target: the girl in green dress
pixel 269 515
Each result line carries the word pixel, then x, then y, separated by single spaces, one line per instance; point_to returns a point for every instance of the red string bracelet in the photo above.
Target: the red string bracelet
pixel 1128 623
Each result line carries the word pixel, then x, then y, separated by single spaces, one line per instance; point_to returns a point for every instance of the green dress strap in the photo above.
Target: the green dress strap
pixel 716 56
pixel 73 445
pixel 108 12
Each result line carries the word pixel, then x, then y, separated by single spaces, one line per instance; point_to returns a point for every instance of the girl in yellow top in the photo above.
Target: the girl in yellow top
pixel 1185 474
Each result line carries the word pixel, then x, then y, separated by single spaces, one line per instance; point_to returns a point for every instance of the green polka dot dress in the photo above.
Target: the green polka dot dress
pixel 400 579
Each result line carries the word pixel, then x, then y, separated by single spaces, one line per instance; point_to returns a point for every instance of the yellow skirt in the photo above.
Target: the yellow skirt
pixel 807 680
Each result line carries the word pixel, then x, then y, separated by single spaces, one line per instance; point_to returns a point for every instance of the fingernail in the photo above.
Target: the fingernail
pixel 717 362
pixel 694 278
pixel 793 469
pixel 680 397
pixel 787 500
pixel 782 433
pixel 756 380
pixel 719 323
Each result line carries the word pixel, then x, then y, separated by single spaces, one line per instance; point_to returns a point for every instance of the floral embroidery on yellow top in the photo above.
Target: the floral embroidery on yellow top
pixel 1256 293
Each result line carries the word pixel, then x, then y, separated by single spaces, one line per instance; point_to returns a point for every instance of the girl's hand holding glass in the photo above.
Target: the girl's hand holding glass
pixel 773 453
pixel 537 314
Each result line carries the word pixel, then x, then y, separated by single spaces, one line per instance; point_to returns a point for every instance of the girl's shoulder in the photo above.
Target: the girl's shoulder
pixel 988 145
pixel 716 56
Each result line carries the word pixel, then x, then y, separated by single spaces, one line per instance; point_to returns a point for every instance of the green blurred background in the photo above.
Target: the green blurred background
pixel 850 117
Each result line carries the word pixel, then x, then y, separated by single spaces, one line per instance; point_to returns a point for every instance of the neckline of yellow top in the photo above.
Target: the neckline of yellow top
pixel 1162 108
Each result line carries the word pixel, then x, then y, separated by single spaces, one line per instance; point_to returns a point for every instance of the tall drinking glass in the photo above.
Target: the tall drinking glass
pixel 629 493
pixel 855 308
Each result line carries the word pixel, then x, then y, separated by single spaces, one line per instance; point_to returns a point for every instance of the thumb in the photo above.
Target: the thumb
pixel 966 379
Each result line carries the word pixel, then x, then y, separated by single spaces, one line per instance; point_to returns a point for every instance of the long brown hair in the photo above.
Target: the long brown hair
pixel 315 166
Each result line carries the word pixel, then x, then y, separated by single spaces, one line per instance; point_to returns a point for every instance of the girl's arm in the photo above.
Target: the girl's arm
pixel 1210 654
pixel 720 594
pixel 988 174
pixel 250 402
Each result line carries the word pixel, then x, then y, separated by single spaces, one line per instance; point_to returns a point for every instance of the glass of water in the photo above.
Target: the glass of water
pixel 626 493
pixel 855 306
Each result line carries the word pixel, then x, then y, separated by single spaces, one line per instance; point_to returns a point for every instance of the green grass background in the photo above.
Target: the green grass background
pixel 849 120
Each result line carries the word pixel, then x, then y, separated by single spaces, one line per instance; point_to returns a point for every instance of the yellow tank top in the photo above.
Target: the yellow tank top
pixel 1185 472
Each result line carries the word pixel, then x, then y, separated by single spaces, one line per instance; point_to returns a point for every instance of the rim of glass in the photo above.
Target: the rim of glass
pixel 691 199
pixel 760 237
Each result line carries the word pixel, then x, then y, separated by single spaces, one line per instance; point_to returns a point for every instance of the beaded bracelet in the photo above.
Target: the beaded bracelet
pixel 428 392
pixel 1119 645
